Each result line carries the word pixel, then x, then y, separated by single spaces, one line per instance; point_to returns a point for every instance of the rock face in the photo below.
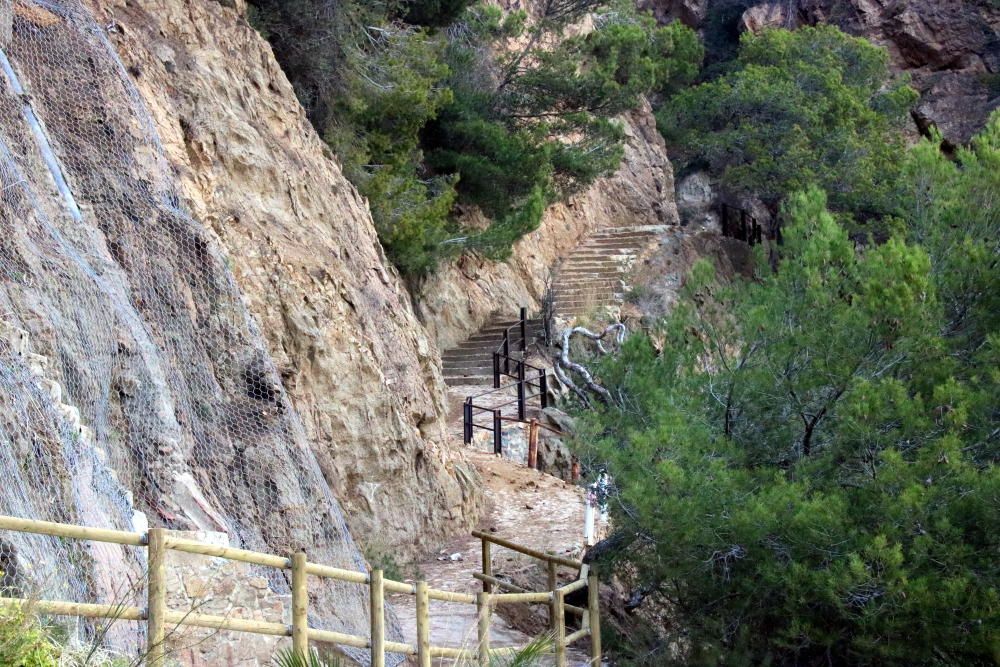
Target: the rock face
pixel 461 297
pixel 696 202
pixel 357 365
pixel 951 48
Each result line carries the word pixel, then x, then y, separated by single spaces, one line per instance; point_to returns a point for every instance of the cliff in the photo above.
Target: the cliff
pixel 358 367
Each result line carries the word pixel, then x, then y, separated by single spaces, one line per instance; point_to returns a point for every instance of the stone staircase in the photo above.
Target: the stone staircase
pixel 471 363
pixel 593 275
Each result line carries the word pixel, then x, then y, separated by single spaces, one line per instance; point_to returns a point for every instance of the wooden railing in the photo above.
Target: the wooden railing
pixel 586 577
pixel 158 541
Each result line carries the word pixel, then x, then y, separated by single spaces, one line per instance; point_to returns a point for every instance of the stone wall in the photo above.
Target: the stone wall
pixel 203 585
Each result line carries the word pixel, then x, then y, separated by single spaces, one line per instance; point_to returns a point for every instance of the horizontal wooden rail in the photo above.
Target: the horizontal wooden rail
pixel 528 551
pixel 248 626
pixel 57 608
pixel 399 587
pixel 500 583
pixel 327 572
pixel 448 596
pixel 508 598
pixel 579 634
pixel 577 585
pixel 229 553
pixel 72 532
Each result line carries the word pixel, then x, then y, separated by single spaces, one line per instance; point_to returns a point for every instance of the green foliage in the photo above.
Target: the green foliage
pixel 291 658
pixel 498 111
pixel 23 640
pixel 531 116
pixel 811 106
pixel 534 654
pixel 434 12
pixel 808 465
pixel 394 90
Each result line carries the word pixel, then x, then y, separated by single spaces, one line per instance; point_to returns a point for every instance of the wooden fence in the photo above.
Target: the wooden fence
pixel 158 541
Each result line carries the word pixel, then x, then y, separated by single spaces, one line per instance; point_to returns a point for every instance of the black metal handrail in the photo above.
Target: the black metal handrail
pixel 524 375
pixel 741 224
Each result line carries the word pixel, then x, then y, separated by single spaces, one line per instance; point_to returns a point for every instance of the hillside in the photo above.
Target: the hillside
pixel 235 272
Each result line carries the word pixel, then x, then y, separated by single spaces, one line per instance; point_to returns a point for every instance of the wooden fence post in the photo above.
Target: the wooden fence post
pixel 559 627
pixel 483 607
pixel 376 594
pixel 300 605
pixel 156 596
pixel 423 625
pixel 487 565
pixel 594 612
pixel 552 587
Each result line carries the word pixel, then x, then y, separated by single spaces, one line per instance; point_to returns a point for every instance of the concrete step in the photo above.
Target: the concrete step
pixel 488 345
pixel 470 362
pixel 569 274
pixel 598 260
pixel 589 282
pixel 471 379
pixel 588 296
pixel 626 232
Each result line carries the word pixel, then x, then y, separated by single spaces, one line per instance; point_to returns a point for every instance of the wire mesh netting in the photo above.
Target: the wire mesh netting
pixel 134 385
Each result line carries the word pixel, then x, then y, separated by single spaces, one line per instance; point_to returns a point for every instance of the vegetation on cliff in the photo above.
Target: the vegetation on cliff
pixel 810 106
pixel 498 111
pixel 805 463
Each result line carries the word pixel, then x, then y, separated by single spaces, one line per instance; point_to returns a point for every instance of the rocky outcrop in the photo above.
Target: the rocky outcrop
pixel 357 365
pixel 689 12
pixel 950 48
pixel 461 297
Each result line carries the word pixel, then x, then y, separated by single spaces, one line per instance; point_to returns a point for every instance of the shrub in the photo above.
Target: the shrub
pixel 23 640
pixel 531 119
pixel 497 112
pixel 806 469
pixel 797 108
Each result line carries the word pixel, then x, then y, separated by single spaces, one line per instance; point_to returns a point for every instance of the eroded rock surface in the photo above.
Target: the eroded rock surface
pixel 358 367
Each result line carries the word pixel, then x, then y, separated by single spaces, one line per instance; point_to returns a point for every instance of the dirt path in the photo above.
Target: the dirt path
pixel 525 506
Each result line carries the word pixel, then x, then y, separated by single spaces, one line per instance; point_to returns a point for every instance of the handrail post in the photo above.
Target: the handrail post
pixel 423 625
pixel 497 434
pixel 487 565
pixel 467 421
pixel 552 583
pixel 376 596
pixel 496 370
pixel 559 627
pixel 520 391
pixel 524 329
pixel 483 609
pixel 543 388
pixel 156 596
pixel 300 605
pixel 506 351
pixel 594 614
